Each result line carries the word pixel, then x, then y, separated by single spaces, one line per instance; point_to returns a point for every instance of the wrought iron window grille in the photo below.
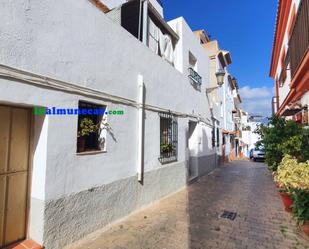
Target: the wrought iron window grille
pixel 213 137
pixel 168 137
pixel 218 137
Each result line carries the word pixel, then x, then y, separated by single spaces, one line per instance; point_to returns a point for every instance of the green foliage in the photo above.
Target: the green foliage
pixel 293 177
pixel 282 137
pixel 166 148
pixel 300 205
pixel 87 127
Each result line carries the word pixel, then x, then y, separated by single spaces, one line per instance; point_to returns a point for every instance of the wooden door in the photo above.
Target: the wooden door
pixel 14 167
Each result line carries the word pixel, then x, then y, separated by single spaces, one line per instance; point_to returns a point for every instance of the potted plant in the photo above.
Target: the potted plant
pixel 166 148
pixel 284 178
pixel 292 178
pixel 301 209
pixel 286 199
pixel 86 128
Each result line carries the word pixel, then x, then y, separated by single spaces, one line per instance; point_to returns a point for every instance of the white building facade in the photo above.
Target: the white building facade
pixel 221 99
pixel 50 57
pixel 249 137
pixel 193 61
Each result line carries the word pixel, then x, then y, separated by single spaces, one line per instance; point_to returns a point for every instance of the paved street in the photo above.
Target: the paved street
pixel 190 219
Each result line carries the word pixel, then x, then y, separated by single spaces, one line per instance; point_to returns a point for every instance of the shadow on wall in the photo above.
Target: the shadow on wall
pixel 203 159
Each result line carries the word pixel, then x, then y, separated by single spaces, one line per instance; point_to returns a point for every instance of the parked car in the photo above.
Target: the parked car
pixel 257 154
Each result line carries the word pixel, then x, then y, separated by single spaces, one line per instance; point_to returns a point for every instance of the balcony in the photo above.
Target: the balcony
pixel 299 41
pixel 195 78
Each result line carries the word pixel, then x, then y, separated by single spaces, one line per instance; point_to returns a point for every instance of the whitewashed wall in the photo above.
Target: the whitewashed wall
pixel 51 39
pixel 228 104
pixel 97 54
pixel 188 42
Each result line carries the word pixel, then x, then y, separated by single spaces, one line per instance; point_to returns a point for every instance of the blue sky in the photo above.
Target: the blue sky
pixel 246 29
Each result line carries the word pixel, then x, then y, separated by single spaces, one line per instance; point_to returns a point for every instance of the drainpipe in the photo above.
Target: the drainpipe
pixel 140 148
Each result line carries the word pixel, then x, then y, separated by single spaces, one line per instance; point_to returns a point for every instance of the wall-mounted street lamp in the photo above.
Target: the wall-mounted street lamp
pixel 220 77
pixel 220 80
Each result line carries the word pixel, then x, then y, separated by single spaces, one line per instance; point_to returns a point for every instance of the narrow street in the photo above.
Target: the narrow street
pixel 190 218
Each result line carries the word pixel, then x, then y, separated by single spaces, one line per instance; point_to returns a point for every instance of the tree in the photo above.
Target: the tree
pixel 282 137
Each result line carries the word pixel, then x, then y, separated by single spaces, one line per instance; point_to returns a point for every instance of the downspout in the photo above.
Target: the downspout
pixel 140 147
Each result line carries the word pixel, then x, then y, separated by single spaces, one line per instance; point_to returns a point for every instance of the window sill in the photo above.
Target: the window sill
pixel 95 152
pixel 167 160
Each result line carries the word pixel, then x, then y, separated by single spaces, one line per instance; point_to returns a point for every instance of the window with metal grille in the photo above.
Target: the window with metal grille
pixel 218 137
pixel 195 78
pixel 88 132
pixel 213 139
pixel 168 138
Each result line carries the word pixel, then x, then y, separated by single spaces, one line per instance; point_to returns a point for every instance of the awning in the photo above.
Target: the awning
pixel 290 111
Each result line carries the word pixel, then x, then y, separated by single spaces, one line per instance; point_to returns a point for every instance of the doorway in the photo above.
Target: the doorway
pixel 15 131
pixel 192 145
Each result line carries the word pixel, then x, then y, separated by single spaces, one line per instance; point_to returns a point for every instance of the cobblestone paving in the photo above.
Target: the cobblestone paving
pixel 190 219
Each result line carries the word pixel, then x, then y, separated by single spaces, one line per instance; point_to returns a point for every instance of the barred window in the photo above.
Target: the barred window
pixel 213 139
pixel 168 138
pixel 218 137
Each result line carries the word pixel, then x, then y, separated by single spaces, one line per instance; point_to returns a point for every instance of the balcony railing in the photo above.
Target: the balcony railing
pixel 299 41
pixel 195 77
